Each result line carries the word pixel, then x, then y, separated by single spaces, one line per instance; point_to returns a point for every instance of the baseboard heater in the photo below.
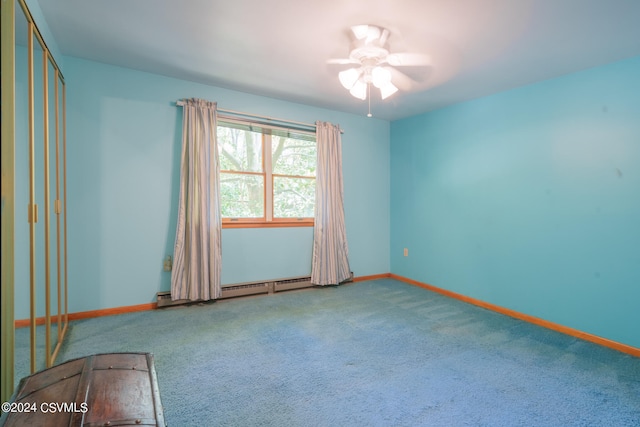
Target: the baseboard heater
pixel 246 289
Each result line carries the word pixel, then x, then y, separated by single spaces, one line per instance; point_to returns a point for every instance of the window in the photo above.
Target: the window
pixel 267 175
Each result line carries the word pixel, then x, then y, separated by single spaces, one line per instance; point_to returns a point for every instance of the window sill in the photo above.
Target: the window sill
pixel 270 224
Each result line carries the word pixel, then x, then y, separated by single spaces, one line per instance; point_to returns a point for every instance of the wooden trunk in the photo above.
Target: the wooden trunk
pixel 114 389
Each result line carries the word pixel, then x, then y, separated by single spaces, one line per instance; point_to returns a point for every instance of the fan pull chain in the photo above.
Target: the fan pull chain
pixel 369 98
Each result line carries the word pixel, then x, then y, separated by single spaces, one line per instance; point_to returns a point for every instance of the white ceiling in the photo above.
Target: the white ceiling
pixel 280 48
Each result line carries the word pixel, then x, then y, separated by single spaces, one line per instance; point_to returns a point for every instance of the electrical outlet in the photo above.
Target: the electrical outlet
pixel 406 252
pixel 168 263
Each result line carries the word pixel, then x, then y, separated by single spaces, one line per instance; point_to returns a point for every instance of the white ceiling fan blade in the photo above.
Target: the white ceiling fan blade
pixel 384 36
pixel 342 61
pixel 369 33
pixel 408 59
pixel 360 31
pixel 400 80
pixel 373 33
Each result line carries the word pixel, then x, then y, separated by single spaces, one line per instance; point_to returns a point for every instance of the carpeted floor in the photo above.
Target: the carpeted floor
pixel 377 353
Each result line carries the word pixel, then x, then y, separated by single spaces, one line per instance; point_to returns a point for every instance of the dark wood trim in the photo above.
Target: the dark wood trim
pixel 267 224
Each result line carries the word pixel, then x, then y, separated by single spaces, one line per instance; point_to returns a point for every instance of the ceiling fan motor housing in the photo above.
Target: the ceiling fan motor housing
pixel 369 55
pixel 370 48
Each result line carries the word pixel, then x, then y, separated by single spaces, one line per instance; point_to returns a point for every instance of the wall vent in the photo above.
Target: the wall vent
pixel 246 289
pixel 292 283
pixel 164 300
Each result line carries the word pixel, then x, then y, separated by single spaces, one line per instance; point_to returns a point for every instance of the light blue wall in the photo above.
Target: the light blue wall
pixel 124 136
pixel 526 199
pixel 529 199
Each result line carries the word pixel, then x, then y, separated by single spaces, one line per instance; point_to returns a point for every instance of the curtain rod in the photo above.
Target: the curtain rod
pixel 180 103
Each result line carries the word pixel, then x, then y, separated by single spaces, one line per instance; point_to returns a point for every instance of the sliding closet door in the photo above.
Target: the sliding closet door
pixel 61 208
pixel 51 232
pixel 39 259
pixel 36 272
pixel 22 174
pixel 55 294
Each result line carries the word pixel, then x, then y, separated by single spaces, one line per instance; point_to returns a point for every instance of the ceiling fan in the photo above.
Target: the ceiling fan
pixel 373 64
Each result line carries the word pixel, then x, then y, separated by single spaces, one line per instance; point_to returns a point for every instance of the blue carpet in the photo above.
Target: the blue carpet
pixel 377 353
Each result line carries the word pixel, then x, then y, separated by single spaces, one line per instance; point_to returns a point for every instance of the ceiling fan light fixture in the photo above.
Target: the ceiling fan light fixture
pixel 387 90
pixel 349 77
pixel 381 77
pixel 371 63
pixel 359 90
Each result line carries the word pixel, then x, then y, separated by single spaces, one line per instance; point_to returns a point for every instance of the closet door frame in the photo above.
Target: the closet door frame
pixel 47 144
pixel 7 332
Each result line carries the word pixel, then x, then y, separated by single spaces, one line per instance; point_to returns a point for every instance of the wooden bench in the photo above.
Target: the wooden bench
pixel 114 389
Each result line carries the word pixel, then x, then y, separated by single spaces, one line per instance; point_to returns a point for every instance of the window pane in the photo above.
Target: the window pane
pixel 241 195
pixel 240 150
pixel 293 197
pixel 293 156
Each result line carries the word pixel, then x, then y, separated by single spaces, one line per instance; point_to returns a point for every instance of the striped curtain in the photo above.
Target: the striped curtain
pixel 330 264
pixel 198 249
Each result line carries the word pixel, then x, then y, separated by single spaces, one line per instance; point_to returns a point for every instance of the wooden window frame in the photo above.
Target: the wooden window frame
pixel 267 220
